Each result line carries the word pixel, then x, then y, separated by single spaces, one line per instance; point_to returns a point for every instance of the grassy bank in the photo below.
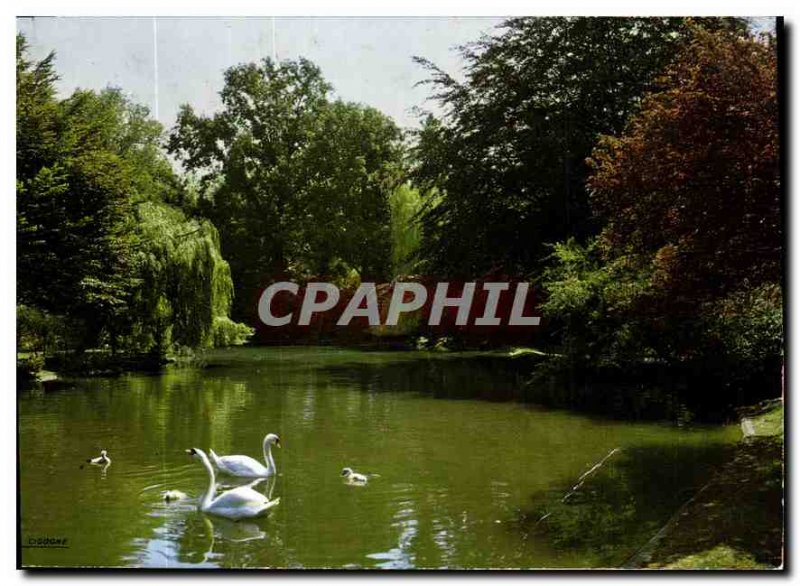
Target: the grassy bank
pixel 736 520
pixel 33 368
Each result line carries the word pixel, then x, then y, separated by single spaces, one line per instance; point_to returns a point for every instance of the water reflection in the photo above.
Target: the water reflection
pixel 188 537
pixel 404 521
pixel 483 377
pixel 620 502
pixel 450 481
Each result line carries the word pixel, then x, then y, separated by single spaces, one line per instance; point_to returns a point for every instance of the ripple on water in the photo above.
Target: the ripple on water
pixel 437 502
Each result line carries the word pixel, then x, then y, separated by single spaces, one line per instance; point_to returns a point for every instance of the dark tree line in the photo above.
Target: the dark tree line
pixel 626 166
pixel 509 155
pixel 630 168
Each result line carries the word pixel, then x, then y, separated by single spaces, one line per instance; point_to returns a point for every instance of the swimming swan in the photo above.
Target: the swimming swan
pixel 101 459
pixel 353 477
pixel 237 503
pixel 174 495
pixel 248 467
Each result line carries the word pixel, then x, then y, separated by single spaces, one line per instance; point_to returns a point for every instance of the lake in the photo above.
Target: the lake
pixel 460 476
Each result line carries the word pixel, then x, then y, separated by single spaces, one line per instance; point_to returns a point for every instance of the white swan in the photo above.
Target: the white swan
pixel 248 467
pixel 101 459
pixel 237 503
pixel 353 477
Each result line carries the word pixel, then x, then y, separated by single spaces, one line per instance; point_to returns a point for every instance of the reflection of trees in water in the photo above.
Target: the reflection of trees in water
pixel 155 406
pixel 434 530
pixel 212 401
pixel 190 393
pixel 440 530
pixel 336 415
pixel 623 503
pixel 413 515
pixel 476 377
pixel 399 557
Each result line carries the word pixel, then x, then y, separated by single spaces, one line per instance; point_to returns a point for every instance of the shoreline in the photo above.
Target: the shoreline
pixel 735 520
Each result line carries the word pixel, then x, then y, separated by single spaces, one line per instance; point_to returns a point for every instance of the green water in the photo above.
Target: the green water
pixel 455 481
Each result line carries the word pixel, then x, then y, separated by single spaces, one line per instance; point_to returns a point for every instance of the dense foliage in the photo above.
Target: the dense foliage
pixel 297 184
pixel 102 258
pixel 74 245
pixel 185 289
pixel 687 268
pixel 508 156
pixel 628 167
pixel 696 173
pixel 405 204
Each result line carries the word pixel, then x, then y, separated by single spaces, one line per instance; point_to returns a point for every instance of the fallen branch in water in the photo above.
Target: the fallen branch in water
pixel 588 473
pixel 582 479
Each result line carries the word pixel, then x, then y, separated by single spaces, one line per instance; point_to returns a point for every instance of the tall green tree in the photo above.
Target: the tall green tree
pixel 297 183
pixel 73 211
pixel 508 154
pixel 99 241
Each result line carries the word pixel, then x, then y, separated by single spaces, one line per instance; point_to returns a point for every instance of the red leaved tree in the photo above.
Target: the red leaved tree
pixel 692 187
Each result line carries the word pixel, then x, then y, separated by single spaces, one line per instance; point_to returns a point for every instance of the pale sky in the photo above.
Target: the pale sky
pixel 367 60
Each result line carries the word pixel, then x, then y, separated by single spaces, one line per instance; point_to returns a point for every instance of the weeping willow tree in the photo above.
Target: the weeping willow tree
pixel 404 205
pixel 185 292
pixel 105 261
